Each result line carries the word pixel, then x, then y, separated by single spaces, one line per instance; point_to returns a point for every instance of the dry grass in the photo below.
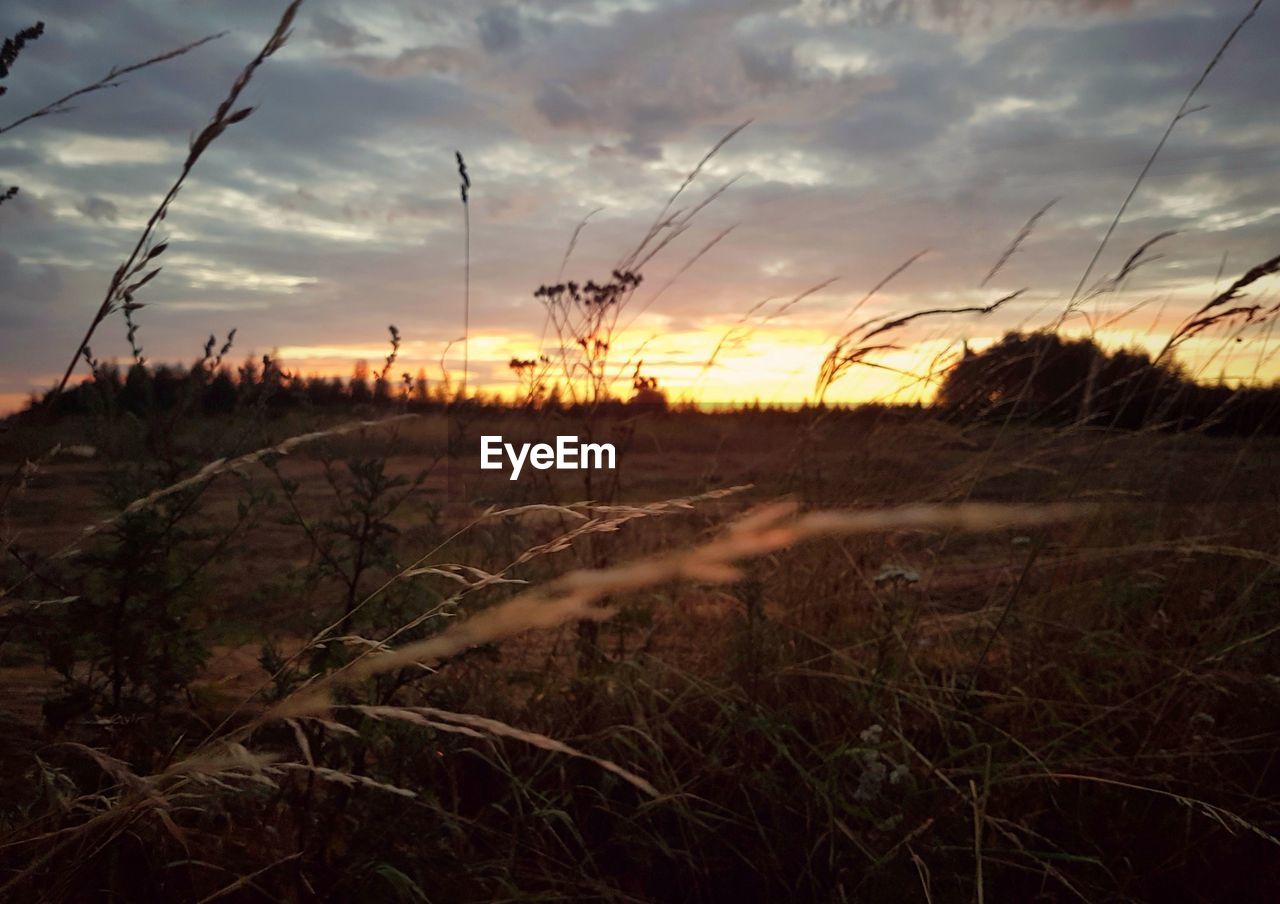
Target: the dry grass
pixel 849 656
pixel 1087 685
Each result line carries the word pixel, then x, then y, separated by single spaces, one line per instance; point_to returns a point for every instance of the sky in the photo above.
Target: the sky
pixel 878 129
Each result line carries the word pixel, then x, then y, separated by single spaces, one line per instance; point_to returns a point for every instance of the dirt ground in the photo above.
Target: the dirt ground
pixel 835 463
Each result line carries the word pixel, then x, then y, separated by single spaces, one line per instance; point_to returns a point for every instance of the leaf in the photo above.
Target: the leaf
pixel 146 279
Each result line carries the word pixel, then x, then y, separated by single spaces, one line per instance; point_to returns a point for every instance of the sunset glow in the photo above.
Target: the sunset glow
pixel 639 450
pixel 874 135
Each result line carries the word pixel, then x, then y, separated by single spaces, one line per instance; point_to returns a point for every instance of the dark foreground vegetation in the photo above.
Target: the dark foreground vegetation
pixel 1082 709
pixel 270 638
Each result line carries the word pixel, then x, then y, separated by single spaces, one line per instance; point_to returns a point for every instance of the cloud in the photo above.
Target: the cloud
pixel 499 28
pixel 560 107
pixel 436 59
pixel 99 209
pixel 769 69
pixel 878 129
pixel 340 34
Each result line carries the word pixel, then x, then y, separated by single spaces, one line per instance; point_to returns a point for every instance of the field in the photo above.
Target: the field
pixel 986 608
pixel 1080 706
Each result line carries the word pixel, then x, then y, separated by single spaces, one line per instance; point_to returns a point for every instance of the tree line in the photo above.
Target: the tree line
pixel 1046 378
pixel 1037 377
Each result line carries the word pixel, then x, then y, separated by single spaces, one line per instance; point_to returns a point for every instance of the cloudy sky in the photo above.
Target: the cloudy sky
pixel 879 128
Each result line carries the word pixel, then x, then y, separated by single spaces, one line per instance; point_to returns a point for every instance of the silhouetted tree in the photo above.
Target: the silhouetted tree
pixel 421 388
pixel 1048 378
pixel 358 388
pixel 220 394
pixel 646 396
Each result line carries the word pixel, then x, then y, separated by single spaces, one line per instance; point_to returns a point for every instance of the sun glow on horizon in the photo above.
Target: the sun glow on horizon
pixel 724 360
pixel 776 366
